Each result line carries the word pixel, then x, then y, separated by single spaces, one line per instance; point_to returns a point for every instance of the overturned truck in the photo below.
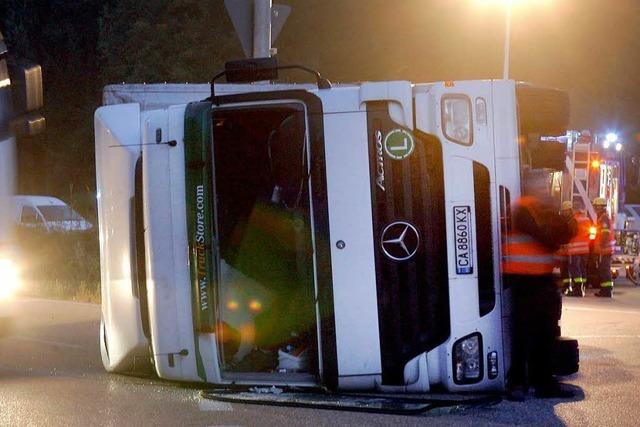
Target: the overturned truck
pixel 342 236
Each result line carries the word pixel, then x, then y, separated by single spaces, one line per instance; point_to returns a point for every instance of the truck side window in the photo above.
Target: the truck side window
pixel 481 111
pixel 456 119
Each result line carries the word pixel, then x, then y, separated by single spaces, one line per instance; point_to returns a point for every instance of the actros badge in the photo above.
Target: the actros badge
pixel 400 241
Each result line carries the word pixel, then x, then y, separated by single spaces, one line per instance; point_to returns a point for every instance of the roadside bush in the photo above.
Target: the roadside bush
pixel 60 265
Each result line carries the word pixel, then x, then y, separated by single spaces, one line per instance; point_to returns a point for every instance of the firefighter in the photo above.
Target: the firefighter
pixel 578 252
pixel 603 247
pixel 528 262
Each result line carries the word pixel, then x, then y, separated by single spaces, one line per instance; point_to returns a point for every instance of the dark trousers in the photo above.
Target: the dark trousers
pixel 578 267
pixel 537 307
pixel 565 273
pixel 604 272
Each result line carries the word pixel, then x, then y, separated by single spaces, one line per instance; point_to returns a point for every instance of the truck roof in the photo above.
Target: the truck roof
pixel 164 95
pixel 161 95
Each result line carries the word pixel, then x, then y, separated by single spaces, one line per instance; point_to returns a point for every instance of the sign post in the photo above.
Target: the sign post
pixel 258 24
pixel 261 28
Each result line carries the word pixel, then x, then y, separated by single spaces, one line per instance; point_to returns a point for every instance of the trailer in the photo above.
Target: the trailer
pixel 338 236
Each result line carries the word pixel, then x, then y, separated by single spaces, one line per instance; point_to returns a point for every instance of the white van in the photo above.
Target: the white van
pixel 47 213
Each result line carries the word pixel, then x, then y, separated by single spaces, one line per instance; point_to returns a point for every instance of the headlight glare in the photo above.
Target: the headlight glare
pixel 9 278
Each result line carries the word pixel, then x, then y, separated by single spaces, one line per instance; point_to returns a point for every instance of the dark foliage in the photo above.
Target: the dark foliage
pixel 61 36
pixel 157 41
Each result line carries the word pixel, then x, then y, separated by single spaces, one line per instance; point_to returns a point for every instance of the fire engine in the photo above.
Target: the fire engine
pixel 592 171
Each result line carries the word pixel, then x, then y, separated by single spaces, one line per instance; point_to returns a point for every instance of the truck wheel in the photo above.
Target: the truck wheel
pixel 566 356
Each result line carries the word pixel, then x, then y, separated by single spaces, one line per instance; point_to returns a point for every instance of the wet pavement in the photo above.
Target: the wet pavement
pixel 50 374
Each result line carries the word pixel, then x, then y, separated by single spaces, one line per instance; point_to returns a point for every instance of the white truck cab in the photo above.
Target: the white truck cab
pixel 346 237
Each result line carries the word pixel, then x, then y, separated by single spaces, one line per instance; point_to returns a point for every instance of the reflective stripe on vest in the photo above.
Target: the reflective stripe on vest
pixel 578 248
pixel 522 254
pixel 579 244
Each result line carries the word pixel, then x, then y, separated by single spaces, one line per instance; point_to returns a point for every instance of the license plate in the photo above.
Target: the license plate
pixel 463 242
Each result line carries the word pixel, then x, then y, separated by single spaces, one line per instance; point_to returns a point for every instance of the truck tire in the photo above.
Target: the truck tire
pixel 566 356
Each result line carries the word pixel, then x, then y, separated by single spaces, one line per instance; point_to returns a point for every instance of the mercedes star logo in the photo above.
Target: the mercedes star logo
pixel 400 241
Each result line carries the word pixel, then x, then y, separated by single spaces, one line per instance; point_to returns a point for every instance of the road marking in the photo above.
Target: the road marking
pixel 47 342
pixel 603 310
pixel 214 405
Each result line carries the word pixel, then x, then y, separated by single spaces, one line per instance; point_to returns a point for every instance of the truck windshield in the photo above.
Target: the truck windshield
pixel 265 289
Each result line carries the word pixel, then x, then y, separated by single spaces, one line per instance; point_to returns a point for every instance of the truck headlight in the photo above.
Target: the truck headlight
pixel 9 278
pixel 467 359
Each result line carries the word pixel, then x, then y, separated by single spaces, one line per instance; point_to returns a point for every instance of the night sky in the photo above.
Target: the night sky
pixel 590 48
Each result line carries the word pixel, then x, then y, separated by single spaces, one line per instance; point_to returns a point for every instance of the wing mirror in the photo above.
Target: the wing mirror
pixel 28 98
pixel 26 85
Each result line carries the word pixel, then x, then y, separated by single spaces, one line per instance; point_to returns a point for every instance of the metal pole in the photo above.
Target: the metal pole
pixel 507 40
pixel 261 28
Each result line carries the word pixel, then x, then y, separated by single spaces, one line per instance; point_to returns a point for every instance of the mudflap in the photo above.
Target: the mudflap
pixel 372 403
pixel 566 356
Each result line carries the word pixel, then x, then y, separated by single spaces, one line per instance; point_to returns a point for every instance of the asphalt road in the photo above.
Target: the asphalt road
pixel 50 374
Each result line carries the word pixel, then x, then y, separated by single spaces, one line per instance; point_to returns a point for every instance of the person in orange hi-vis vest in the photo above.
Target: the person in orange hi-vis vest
pixel 527 264
pixel 605 241
pixel 578 253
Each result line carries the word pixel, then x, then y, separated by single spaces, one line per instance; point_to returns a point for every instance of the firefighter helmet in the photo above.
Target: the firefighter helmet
pixel 566 206
pixel 599 201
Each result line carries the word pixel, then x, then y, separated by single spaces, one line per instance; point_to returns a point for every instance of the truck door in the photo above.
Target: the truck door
pixel 461 116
